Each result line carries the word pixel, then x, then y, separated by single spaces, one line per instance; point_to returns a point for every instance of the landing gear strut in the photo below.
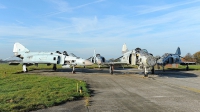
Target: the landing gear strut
pixel 54 67
pixel 24 68
pixel 152 70
pixel 145 72
pixel 73 70
pixel 187 68
pixel 111 69
pixel 163 68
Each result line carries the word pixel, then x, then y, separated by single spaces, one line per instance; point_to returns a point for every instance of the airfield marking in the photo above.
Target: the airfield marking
pixel 190 89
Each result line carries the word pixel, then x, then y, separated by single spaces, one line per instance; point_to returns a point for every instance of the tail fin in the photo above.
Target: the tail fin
pixel 19 48
pixel 124 49
pixel 178 51
pixel 94 53
pixel 94 57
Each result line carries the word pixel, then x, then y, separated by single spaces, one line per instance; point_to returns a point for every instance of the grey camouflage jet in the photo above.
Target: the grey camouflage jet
pixel 35 58
pixel 170 58
pixel 140 57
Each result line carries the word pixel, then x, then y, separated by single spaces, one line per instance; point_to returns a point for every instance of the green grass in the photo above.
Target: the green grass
pixel 191 67
pixel 25 92
pixel 182 67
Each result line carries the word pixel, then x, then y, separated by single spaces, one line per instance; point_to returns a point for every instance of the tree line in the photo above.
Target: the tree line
pixel 193 58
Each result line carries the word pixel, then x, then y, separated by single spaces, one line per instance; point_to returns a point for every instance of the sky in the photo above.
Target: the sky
pixel 80 26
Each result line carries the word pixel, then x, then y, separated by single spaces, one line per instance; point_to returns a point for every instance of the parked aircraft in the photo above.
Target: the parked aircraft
pixel 169 58
pixel 139 57
pixel 73 60
pixel 35 58
pixel 98 59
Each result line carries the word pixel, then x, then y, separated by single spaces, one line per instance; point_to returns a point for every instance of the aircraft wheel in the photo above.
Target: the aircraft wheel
pixel 111 72
pixel 54 67
pixel 152 70
pixel 146 75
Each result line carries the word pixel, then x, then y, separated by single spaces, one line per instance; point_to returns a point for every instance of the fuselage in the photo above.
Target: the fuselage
pixel 52 58
pixel 169 59
pixel 98 59
pixel 141 57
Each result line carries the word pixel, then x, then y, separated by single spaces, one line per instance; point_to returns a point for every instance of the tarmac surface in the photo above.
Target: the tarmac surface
pixel 128 91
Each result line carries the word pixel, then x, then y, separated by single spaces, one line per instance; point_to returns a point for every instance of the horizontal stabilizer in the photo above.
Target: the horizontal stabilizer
pixel 188 63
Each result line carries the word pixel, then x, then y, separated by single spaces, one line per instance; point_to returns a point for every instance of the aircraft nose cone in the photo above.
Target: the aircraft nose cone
pixel 87 62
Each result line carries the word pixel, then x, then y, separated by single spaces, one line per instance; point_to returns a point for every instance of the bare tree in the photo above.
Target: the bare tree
pixel 197 56
pixel 189 57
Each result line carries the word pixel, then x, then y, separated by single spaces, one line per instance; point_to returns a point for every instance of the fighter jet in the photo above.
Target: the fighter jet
pixel 73 60
pixel 35 58
pixel 139 57
pixel 169 58
pixel 98 59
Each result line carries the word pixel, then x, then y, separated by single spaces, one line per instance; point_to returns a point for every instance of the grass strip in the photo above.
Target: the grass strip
pixel 25 92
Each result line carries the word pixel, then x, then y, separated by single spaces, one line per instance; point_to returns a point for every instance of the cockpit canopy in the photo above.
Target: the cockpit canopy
pixel 98 55
pixel 139 50
pixel 65 53
pixel 144 50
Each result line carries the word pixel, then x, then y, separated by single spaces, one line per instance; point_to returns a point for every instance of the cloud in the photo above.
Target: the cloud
pixel 151 9
pixel 84 5
pixel 90 29
pixel 63 6
pixel 106 34
pixel 84 24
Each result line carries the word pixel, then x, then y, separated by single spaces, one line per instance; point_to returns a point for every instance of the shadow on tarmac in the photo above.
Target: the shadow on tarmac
pixel 119 71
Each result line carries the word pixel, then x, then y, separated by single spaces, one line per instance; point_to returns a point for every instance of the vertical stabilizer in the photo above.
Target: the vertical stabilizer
pixel 94 57
pixel 178 51
pixel 124 49
pixel 19 48
pixel 94 54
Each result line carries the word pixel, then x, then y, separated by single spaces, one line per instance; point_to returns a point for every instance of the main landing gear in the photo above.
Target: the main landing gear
pixel 24 68
pixel 73 70
pixel 111 69
pixel 54 67
pixel 146 71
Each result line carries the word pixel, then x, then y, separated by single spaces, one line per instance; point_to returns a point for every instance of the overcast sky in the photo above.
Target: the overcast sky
pixel 80 26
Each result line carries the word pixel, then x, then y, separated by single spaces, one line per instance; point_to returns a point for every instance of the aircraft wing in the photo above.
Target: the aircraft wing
pixel 14 63
pixel 187 63
pixel 89 58
pixel 114 63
